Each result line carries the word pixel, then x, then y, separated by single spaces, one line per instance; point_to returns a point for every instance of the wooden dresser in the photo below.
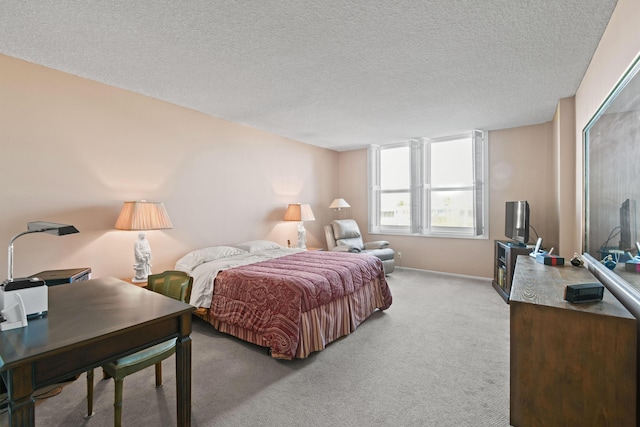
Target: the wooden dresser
pixel 571 364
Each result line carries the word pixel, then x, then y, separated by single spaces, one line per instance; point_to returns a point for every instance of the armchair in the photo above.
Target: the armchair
pixel 344 236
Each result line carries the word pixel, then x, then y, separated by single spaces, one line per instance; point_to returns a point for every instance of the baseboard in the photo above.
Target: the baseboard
pixel 466 276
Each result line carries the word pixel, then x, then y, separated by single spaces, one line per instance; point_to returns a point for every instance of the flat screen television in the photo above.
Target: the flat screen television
pixel 628 228
pixel 516 225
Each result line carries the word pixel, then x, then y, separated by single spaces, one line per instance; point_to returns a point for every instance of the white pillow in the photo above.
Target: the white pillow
pixel 258 245
pixel 200 256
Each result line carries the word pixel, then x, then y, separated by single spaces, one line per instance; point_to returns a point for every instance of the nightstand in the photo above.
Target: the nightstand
pixel 130 280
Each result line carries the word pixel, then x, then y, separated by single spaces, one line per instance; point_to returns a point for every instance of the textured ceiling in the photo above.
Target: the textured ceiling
pixel 336 74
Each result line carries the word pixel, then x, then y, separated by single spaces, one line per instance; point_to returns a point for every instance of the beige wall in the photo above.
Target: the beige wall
pixel 520 164
pixel 619 46
pixel 564 178
pixel 73 150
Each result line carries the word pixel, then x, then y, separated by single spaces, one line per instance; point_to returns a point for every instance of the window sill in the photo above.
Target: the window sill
pixel 438 235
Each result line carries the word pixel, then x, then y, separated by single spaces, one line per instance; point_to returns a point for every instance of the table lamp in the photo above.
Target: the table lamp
pixel 143 215
pixel 300 212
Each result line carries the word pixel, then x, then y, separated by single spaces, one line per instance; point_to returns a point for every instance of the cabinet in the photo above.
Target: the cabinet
pixel 504 263
pixel 570 364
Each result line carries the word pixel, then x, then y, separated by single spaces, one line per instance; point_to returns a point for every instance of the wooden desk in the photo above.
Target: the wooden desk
pixel 88 325
pixel 571 364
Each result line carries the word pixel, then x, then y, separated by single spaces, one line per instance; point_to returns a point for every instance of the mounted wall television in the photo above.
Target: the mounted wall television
pixel 516 225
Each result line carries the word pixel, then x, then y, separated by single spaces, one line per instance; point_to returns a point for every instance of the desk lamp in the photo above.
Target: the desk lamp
pixel 300 212
pixel 28 296
pixel 38 227
pixel 143 215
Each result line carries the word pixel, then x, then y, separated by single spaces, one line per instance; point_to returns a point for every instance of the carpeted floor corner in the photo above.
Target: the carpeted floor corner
pixel 439 356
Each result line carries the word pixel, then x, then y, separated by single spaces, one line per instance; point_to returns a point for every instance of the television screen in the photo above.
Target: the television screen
pixel 628 231
pixel 516 226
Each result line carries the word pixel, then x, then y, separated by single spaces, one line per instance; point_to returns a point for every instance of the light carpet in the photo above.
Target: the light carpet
pixel 439 356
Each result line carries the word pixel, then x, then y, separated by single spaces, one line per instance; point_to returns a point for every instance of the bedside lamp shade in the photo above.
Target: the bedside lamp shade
pixel 300 212
pixel 143 216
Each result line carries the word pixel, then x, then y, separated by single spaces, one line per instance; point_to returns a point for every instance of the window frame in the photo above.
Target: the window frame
pixel 421 189
pixel 376 191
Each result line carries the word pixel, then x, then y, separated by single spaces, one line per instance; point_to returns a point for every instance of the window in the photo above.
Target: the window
pixel 430 187
pixel 395 187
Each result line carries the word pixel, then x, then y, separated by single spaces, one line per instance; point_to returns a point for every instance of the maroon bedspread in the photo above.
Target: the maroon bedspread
pixel 268 297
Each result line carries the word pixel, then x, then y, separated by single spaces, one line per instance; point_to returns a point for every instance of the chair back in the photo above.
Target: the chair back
pixel 346 232
pixel 174 284
pixel 328 233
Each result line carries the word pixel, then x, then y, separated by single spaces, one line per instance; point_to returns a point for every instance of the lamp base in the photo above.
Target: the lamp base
pixel 142 252
pixel 302 236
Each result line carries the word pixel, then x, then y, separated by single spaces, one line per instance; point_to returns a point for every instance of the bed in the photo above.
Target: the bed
pixel 293 302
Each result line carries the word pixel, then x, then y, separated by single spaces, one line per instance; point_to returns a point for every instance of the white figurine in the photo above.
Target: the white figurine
pixel 302 236
pixel 142 252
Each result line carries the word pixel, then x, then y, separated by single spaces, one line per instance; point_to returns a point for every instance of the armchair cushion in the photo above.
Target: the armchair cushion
pixel 345 248
pixel 346 232
pixel 355 243
pixel 345 229
pixel 378 244
pixel 384 254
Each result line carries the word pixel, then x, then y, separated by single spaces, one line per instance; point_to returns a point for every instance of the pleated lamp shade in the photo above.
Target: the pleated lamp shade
pixel 299 212
pixel 143 215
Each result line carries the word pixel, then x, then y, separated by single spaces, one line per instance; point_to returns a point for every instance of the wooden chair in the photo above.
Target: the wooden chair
pixel 174 284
